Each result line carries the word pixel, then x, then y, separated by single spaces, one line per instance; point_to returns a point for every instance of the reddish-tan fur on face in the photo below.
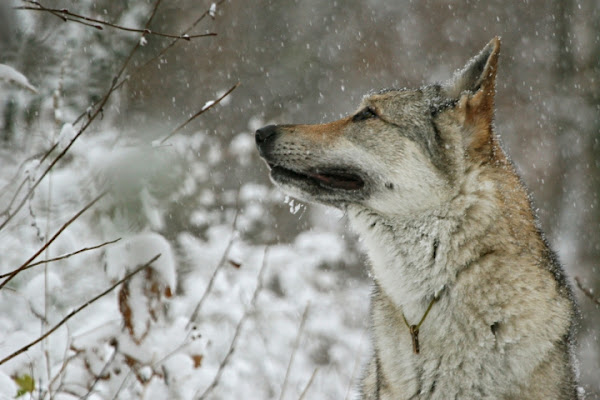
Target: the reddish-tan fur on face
pixel 321 133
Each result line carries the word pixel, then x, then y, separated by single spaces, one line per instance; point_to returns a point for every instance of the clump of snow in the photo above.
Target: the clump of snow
pixel 9 74
pixel 208 104
pixel 131 252
pixel 8 388
pixel 31 169
pixel 67 133
pixel 294 207
pixel 36 288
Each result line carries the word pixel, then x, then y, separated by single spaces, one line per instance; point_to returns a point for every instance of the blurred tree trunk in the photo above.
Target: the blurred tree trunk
pixel 563 72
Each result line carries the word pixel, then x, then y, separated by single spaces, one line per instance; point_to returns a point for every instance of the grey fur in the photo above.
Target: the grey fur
pixel 442 214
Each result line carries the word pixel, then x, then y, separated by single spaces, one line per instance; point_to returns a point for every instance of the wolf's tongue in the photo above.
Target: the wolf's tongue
pixel 347 182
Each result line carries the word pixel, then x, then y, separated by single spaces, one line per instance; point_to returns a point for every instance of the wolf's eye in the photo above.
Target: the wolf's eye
pixel 365 113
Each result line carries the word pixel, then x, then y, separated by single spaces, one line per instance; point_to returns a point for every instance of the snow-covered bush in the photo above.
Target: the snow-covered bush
pixel 84 204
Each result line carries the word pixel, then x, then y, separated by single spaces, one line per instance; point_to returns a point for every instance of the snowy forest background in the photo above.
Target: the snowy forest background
pixel 253 295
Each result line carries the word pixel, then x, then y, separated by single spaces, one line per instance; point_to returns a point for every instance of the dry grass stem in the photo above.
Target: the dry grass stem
pixel 296 344
pixel 238 329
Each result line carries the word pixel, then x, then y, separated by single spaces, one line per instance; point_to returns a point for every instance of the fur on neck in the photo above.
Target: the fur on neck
pixel 415 257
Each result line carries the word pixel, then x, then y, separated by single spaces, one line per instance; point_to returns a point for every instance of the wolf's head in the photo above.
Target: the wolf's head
pixel 403 151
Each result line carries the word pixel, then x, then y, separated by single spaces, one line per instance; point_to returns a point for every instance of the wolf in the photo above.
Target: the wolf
pixel 469 301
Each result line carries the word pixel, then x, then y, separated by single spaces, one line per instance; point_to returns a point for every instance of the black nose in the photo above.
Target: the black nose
pixel 263 134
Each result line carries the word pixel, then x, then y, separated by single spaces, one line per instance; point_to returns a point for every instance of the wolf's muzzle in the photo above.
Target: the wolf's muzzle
pixel 264 138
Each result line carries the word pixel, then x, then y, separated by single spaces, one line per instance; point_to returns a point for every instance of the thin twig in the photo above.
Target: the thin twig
pixel 103 371
pixel 587 291
pixel 14 197
pixel 160 54
pixel 4 189
pixel 62 17
pixel 192 26
pixel 238 329
pixel 63 256
pixel 78 309
pixel 310 381
pixel 296 344
pixel 220 264
pixel 67 15
pixel 66 359
pixel 91 119
pixel 202 111
pixel 49 242
pixel 183 343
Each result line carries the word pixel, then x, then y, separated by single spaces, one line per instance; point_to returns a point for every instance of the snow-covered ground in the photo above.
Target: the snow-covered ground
pixel 139 341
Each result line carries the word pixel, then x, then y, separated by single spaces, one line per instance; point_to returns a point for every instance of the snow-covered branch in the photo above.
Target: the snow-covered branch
pixel 78 310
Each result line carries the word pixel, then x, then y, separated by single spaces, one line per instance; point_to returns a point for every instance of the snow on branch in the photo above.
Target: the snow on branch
pixel 92 116
pixel 9 74
pixel 79 309
pixel 205 107
pixel 185 32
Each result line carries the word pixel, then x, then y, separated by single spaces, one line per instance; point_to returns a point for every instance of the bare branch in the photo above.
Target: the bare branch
pixel 160 54
pixel 192 26
pixel 238 329
pixel 64 256
pixel 49 242
pixel 296 344
pixel 202 111
pixel 310 381
pixel 14 197
pixel 67 15
pixel 587 291
pixel 77 310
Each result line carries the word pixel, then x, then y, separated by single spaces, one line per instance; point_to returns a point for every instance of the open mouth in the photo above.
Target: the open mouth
pixel 330 179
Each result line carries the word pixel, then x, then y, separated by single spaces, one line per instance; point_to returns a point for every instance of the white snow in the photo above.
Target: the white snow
pixel 67 133
pixel 136 250
pixel 212 11
pixel 208 104
pixel 8 388
pixel 9 74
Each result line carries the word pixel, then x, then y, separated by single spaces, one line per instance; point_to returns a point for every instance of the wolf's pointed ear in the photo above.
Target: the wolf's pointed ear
pixel 479 72
pixel 473 88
